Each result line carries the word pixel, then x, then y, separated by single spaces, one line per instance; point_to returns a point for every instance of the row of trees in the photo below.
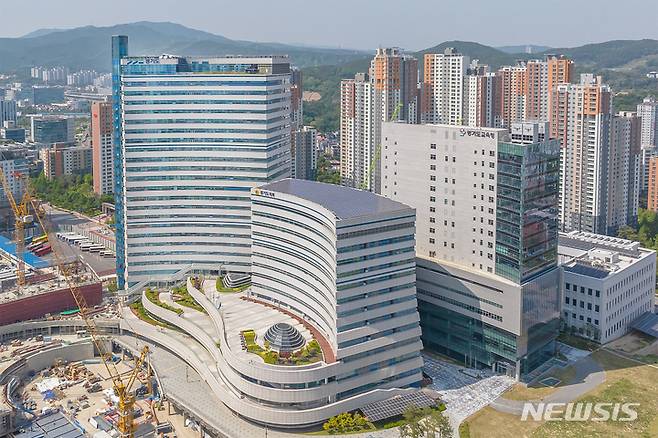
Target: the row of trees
pixel 72 192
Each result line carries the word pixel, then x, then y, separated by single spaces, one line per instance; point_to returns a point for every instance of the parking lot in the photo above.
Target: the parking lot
pixel 102 266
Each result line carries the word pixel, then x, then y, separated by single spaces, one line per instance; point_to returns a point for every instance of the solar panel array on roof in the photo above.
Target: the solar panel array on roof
pixel 647 323
pixel 344 202
pixel 589 271
pixel 395 406
pixel 51 426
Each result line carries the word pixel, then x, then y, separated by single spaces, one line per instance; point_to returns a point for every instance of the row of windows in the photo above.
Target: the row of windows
pixel 202 92
pixel 468 307
pixel 203 121
pixel 378 335
pixel 373 244
pixel 203 130
pixel 129 141
pixel 129 103
pixel 363 296
pixel 217 83
pixel 375 256
pixel 375 306
pixel 366 322
pixel 239 160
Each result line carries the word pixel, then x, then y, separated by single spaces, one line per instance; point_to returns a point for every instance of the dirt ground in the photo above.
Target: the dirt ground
pixel 635 343
pixel 97 401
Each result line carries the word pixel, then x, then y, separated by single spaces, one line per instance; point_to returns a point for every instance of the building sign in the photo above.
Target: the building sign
pixel 265 193
pixel 476 133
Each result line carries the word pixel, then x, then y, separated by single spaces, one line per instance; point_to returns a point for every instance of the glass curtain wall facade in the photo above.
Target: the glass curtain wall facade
pixel 526 213
pixel 196 135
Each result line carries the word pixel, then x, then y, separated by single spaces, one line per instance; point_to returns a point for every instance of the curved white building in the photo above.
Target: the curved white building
pixel 332 264
pixel 342 259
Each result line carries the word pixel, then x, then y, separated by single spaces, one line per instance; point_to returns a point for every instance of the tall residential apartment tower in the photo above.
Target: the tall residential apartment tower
pixel 647 111
pixel 389 92
pixel 194 136
pixel 486 233
pixel 443 87
pixel 101 143
pixel 582 122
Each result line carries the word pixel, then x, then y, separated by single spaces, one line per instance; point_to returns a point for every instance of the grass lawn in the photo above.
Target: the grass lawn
pixel 182 296
pixel 154 296
pixel 577 342
pixel 537 391
pixel 626 381
pixel 141 313
pixel 219 285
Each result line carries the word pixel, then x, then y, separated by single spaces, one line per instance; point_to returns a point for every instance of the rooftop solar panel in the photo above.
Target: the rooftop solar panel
pixel 395 406
pixel 345 202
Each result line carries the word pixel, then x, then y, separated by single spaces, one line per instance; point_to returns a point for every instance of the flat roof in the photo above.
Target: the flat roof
pixel 54 425
pixel 344 202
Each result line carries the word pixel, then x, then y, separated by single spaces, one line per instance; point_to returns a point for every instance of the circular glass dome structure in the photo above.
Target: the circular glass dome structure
pixel 283 337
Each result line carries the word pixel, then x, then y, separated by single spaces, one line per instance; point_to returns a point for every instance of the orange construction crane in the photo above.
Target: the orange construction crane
pixel 122 388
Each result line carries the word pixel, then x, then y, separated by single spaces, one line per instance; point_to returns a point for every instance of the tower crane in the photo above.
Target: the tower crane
pixel 122 386
pixel 22 218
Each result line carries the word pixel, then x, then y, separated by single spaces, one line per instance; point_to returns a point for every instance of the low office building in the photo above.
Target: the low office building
pixel 52 129
pixel 486 206
pixel 607 284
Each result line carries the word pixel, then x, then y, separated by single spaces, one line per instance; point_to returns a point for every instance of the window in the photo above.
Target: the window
pixel 432 199
pixel 566 300
pixel 432 240
pixel 433 146
pixel 567 286
pixel 589 291
pixel 596 307
pixel 432 157
pixel 432 230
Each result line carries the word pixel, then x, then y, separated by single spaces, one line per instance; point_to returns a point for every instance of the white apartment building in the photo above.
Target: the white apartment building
pixel 443 88
pixel 583 119
pixel 196 134
pixel 647 111
pixel 356 132
pixel 480 97
pixel 486 238
pixel 607 284
pixel 624 170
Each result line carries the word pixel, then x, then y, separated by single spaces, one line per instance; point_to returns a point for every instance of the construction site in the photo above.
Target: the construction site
pixel 74 384
pixel 59 388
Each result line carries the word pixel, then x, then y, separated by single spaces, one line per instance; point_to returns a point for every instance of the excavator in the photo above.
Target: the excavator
pixel 122 385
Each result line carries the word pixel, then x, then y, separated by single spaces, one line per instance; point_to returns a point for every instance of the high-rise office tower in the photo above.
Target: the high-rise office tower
pixel 304 153
pixel 486 238
pixel 7 111
pixel 195 135
pixel 624 171
pixel 647 111
pixel 443 87
pixel 101 143
pixel 356 131
pixel 513 85
pixel 582 121
pixel 481 96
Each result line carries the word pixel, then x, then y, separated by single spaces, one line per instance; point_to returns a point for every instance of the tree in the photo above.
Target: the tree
pixel 325 173
pixel 425 422
pixel 412 428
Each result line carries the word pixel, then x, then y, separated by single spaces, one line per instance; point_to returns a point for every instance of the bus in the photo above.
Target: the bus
pixel 96 248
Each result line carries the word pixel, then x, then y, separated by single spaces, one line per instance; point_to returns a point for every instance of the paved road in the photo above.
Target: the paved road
pixel 589 375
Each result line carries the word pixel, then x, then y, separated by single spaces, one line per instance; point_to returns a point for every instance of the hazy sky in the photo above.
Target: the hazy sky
pixel 411 24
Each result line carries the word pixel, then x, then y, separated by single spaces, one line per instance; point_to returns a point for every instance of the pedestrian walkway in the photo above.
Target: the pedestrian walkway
pixel 589 375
